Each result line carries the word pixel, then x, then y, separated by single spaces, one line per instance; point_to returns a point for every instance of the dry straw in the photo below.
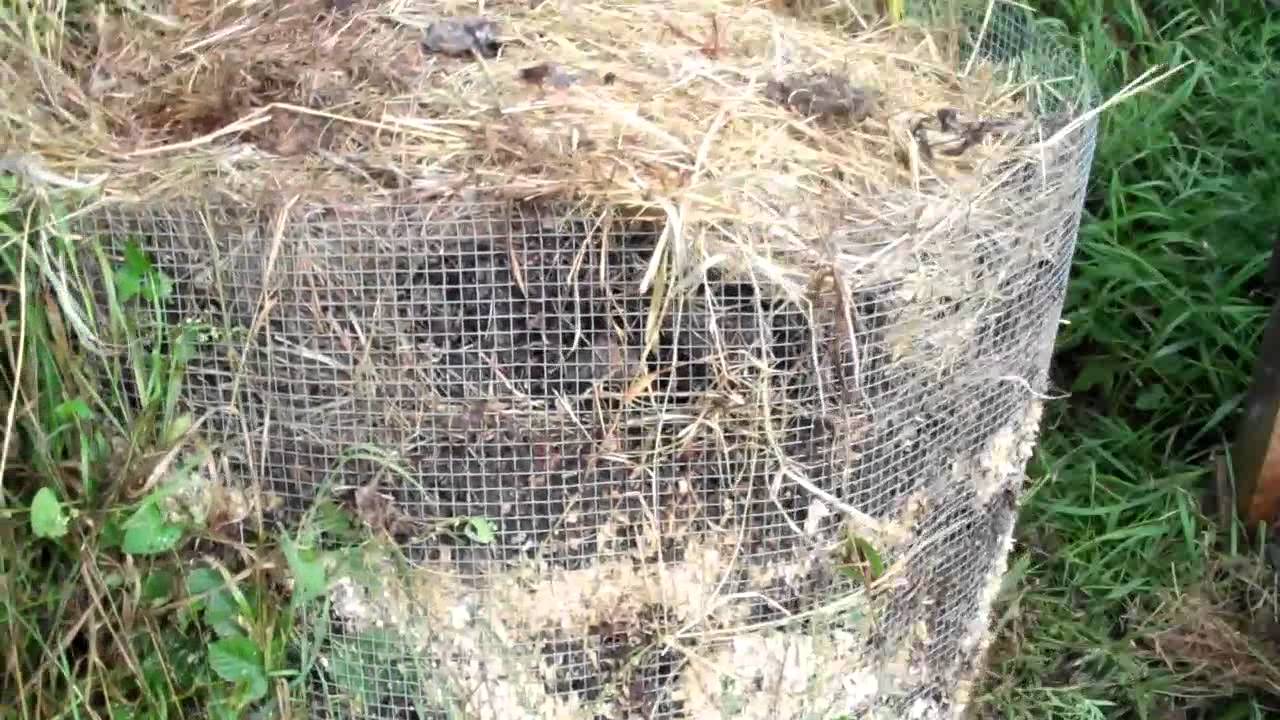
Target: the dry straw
pixel 684 109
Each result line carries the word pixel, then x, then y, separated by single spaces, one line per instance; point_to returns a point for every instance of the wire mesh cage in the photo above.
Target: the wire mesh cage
pixel 604 500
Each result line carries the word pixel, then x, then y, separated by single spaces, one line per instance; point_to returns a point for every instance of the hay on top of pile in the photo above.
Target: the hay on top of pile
pixel 754 130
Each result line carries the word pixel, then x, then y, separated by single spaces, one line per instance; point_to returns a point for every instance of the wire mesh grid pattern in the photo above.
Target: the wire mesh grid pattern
pixel 667 492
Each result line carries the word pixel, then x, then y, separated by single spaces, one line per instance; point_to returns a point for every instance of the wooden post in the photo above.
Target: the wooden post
pixel 1256 454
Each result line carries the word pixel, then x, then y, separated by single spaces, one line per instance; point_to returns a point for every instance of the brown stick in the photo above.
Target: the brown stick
pixel 1256 455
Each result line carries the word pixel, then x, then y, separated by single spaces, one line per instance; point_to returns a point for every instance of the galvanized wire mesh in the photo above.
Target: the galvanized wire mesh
pixel 668 493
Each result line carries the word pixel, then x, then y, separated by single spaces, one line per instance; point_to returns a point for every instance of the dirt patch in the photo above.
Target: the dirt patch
pixel 1222 632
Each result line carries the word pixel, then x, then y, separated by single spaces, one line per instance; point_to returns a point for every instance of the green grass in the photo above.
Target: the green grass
pixel 113 606
pixel 1166 307
pixel 126 588
pixel 133 584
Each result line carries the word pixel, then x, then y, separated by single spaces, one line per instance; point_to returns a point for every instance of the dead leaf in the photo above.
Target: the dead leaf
pixel 552 75
pixel 823 95
pixel 376 509
pixel 463 36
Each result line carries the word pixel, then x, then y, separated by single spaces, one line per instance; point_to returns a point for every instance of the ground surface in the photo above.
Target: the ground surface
pixel 1124 601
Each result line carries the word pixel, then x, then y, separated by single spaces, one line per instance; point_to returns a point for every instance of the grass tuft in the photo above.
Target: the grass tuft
pixel 133 582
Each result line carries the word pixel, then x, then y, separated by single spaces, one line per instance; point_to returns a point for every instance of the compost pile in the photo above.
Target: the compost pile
pixel 683 355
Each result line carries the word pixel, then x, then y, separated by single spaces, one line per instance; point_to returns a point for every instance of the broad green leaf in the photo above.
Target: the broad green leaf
pixel 336 521
pixel 136 260
pixel 238 659
pixel 148 533
pixel 158 586
pixel 201 580
pixel 112 535
pixel 850 572
pixel 184 348
pixel 137 276
pixel 870 556
pixel 221 612
pixel 480 530
pixel 863 561
pixel 48 520
pixel 197 590
pixel 128 284
pixel 307 568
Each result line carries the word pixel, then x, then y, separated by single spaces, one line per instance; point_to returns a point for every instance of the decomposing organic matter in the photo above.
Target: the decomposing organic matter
pixel 681 358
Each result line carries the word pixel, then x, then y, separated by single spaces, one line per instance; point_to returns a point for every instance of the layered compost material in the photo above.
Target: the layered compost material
pixel 682 357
